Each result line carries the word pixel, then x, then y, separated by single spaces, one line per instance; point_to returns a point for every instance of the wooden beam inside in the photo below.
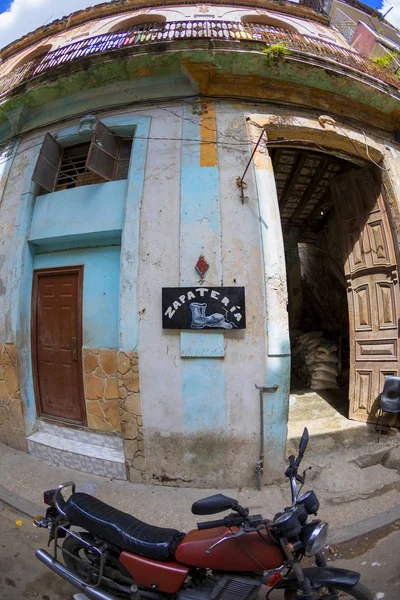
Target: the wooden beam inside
pixel 327 197
pixel 291 181
pixel 310 189
pixel 277 153
pixel 321 224
pixel 317 208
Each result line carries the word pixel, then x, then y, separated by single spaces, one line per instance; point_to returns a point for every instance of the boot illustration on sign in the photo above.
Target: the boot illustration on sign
pixel 201 320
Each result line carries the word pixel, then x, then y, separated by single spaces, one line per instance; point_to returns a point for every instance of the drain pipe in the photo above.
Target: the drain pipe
pixel 260 463
pixel 277 323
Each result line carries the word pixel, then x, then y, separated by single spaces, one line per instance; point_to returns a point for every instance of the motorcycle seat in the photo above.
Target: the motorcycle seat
pixel 120 529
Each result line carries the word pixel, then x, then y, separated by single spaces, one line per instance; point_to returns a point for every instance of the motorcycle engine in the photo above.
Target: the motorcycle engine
pixel 227 587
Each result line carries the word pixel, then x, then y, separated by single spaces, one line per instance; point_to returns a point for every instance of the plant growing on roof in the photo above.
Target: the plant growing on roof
pixel 276 51
pixel 385 61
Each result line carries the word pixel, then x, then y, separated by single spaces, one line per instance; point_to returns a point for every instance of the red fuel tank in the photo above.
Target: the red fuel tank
pixel 248 552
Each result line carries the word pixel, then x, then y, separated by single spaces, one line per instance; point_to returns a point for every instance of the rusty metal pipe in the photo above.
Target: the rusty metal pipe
pixel 260 463
pixel 62 571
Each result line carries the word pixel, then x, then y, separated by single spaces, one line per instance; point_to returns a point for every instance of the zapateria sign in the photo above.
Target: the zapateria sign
pixel 204 308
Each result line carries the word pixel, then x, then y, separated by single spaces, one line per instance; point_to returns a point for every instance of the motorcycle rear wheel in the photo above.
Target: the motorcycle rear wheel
pixel 86 567
pixel 75 558
pixel 358 591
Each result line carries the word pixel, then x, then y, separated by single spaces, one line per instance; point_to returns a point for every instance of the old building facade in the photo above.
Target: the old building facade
pixel 139 145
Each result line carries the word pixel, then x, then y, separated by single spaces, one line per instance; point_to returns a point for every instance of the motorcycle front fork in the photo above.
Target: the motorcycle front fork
pixel 320 560
pixel 305 585
pixel 304 582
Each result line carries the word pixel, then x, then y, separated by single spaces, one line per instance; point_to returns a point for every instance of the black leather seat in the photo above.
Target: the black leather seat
pixel 121 529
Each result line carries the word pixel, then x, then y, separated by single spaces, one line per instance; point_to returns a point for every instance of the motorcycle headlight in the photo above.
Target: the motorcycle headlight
pixel 314 537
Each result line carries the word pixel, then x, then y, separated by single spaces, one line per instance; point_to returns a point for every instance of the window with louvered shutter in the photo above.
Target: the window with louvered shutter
pixel 105 158
pixel 48 164
pixel 104 151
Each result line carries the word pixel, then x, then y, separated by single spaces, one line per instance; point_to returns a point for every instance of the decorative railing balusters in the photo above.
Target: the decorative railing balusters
pixel 150 33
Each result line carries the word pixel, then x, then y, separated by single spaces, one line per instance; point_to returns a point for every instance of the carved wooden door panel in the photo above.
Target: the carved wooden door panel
pixel 373 288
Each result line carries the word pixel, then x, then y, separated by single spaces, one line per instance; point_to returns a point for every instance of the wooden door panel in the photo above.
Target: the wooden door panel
pixel 364 387
pixel 57 321
pixel 362 308
pixel 378 243
pixel 373 288
pixel 385 294
pixel 356 259
pixel 387 373
pixel 376 350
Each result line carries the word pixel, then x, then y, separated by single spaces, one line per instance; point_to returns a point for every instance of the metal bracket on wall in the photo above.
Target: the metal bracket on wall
pixel 240 180
pixel 273 388
pixel 260 463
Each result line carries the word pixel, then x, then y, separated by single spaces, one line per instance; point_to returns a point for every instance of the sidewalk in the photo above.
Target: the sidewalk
pixel 359 490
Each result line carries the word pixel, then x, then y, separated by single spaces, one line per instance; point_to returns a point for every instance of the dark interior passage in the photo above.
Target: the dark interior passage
pixel 317 296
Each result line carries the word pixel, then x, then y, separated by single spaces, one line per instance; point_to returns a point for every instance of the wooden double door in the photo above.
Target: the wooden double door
pixel 57 343
pixel 373 291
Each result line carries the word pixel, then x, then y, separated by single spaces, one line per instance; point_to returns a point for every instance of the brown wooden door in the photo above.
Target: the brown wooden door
pixel 57 343
pixel 373 288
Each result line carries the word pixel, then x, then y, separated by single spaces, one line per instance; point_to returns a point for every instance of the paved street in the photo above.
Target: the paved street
pixel 23 577
pixel 377 557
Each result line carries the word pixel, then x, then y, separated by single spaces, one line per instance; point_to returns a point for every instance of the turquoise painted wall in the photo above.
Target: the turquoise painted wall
pixel 203 375
pixel 204 395
pixel 100 290
pixel 78 214
pixel 45 225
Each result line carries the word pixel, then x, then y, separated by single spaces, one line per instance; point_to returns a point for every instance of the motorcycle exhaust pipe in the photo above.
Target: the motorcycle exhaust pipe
pixel 62 571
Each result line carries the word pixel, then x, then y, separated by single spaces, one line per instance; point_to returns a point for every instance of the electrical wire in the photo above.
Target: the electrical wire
pixel 274 142
pixel 243 142
pixel 366 148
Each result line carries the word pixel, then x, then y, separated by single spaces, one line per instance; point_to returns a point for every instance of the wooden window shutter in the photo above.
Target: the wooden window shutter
pixel 103 152
pixel 48 164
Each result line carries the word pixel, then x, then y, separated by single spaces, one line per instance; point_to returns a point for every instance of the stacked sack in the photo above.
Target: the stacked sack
pixel 320 361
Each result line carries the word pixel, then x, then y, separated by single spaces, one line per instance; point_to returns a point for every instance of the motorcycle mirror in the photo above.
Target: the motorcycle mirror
pixel 304 441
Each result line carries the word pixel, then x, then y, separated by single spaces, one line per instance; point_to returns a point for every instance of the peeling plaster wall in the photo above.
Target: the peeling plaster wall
pixel 5 228
pixel 160 364
pixel 181 449
pixel 12 170
pixel 162 441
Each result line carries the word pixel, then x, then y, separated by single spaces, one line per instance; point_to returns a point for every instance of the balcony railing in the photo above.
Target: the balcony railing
pixel 228 31
pixel 344 24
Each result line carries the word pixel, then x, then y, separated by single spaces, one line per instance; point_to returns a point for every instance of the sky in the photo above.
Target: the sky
pixel 18 17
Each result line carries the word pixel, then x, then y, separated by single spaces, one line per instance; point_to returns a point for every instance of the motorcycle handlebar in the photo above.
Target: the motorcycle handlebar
pixel 211 524
pixel 229 521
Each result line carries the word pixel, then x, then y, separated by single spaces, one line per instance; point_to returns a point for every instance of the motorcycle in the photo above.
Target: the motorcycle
pixel 114 555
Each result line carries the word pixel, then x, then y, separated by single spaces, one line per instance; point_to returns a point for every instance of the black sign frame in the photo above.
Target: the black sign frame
pixel 204 308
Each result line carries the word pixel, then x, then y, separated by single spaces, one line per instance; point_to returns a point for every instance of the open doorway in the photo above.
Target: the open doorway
pixel 342 295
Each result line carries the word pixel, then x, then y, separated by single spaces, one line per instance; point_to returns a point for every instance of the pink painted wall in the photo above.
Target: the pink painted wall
pixel 364 39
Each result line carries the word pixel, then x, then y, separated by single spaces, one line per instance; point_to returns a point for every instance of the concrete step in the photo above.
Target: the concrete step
pixel 73 453
pixel 105 440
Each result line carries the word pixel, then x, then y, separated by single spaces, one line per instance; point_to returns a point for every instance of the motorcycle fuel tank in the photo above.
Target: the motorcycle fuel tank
pixel 249 552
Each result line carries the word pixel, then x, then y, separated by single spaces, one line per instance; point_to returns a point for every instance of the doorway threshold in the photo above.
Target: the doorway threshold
pixel 324 413
pixel 87 451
